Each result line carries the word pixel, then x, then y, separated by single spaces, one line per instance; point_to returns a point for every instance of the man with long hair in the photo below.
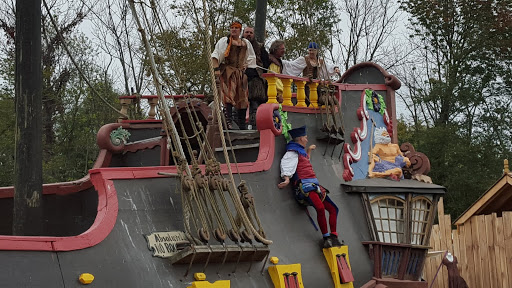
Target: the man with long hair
pixel 257 91
pixel 276 51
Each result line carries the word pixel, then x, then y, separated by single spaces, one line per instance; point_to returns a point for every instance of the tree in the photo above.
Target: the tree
pixel 457 92
pixel 73 113
pixel 465 56
pixel 113 31
pixel 370 32
pixel 300 22
pixel 8 123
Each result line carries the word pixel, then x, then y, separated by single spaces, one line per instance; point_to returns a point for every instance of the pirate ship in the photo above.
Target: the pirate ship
pixel 180 202
pixel 150 214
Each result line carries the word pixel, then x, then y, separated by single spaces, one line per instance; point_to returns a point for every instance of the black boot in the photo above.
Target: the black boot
pixel 228 108
pixel 327 242
pixel 252 114
pixel 335 241
pixel 241 119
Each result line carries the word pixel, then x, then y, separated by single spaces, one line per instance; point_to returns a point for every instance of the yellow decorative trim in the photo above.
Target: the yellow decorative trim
pixel 272 89
pixel 313 94
pixel 301 93
pixel 277 274
pixel 330 256
pixel 287 92
pixel 206 284
pixel 86 278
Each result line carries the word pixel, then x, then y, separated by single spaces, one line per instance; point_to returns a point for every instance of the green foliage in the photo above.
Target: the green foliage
pixel 181 77
pixel 460 96
pixel 467 52
pixel 72 114
pixel 75 150
pixel 300 22
pixel 466 168
pixel 7 140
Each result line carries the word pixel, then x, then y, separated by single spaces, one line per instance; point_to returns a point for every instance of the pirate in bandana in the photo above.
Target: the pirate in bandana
pixel 230 58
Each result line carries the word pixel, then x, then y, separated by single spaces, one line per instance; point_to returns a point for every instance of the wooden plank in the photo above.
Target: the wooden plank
pixel 477 265
pixel 462 257
pixel 507 236
pixel 428 263
pixel 469 252
pixel 440 208
pixel 447 233
pixel 489 228
pixel 217 253
pixel 499 248
pixel 483 252
pixel 440 247
pixel 456 249
pixel 429 274
pixel 435 260
pixel 447 245
pixel 432 260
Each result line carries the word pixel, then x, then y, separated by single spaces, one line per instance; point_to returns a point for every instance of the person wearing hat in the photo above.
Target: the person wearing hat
pixel 230 58
pixel 296 168
pixel 311 66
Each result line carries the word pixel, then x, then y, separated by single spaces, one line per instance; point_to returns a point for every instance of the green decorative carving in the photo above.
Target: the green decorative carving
pixel 369 102
pixel 119 136
pixel 284 123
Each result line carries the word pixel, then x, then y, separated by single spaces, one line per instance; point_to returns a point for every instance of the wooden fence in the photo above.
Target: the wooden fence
pixel 483 247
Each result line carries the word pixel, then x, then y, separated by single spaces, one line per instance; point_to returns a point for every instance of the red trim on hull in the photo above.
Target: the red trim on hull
pixel 102 180
pixel 103 224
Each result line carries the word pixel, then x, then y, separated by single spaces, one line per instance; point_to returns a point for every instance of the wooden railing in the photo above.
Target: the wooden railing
pixel 152 100
pixel 288 93
pixel 398 261
pixel 300 83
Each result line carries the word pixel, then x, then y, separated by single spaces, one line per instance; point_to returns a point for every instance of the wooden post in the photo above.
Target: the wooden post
pixel 152 108
pixel 287 92
pixel 301 94
pixel 261 19
pixel 28 175
pixel 272 89
pixel 125 104
pixel 313 94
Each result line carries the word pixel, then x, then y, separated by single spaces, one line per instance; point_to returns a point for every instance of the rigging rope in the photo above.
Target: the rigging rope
pixel 187 179
pixel 233 193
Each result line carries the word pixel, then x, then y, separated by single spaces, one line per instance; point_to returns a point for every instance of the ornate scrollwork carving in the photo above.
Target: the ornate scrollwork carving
pixel 420 164
pixel 119 136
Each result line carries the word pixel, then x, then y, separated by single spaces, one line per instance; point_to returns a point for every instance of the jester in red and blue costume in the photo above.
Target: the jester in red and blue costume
pixel 296 168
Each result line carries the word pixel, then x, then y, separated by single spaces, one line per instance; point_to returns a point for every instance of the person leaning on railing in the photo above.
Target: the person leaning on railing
pixel 311 66
pixel 276 51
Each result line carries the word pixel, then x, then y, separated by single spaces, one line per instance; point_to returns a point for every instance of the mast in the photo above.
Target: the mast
pixel 28 182
pixel 261 18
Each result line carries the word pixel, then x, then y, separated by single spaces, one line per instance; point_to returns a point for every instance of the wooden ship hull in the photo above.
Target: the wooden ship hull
pixel 102 224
